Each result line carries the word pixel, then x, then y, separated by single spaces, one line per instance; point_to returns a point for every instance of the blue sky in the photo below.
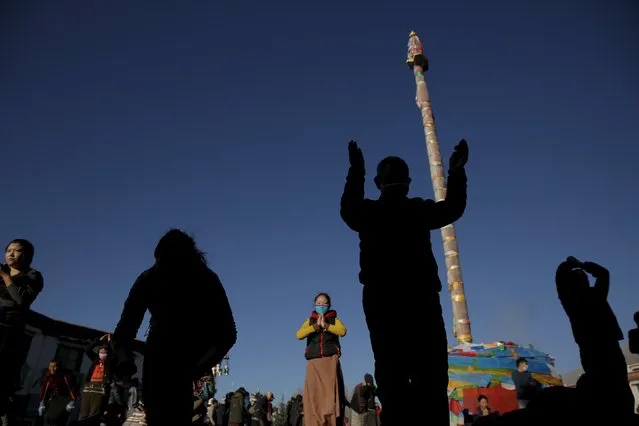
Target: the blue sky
pixel 231 119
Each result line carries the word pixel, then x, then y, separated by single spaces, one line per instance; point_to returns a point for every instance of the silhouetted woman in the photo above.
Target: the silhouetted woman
pixel 19 286
pixel 183 295
pixel 324 384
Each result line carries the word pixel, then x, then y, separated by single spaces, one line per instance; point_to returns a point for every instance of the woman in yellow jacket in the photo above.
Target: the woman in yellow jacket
pixel 324 385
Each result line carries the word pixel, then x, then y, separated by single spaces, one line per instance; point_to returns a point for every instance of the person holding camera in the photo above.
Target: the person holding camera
pixel 597 333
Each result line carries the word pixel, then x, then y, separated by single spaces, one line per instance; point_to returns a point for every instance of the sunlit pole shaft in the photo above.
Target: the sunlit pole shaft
pixel 418 62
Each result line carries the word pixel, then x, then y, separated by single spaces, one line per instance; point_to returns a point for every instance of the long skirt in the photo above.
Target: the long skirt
pixel 92 404
pixel 56 413
pixel 323 392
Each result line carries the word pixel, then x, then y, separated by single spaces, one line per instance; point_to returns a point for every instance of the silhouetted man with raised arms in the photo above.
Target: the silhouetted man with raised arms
pixel 401 280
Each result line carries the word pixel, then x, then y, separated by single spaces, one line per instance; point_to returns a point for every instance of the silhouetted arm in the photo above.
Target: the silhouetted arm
pixel 226 328
pixel 135 307
pixel 89 350
pixel 352 203
pixel 305 330
pixel 357 391
pixel 565 286
pixel 436 215
pixel 338 329
pixel 24 288
pixel 602 278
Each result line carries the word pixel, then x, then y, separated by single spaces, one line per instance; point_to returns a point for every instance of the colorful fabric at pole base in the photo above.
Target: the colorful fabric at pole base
pixel 485 369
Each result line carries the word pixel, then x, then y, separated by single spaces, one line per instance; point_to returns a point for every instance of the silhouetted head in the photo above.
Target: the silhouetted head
pixel 483 401
pixel 176 249
pixel 393 176
pixel 19 254
pixel 579 279
pixel 322 303
pixel 522 364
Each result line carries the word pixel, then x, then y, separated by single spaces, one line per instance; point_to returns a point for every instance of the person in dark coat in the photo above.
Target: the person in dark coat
pixel 182 294
pixel 525 386
pixel 363 409
pixel 96 390
pixel 297 411
pixel 483 409
pixel 401 279
pixel 238 408
pixel 58 393
pixel 20 285
pixel 597 333
pixel 604 384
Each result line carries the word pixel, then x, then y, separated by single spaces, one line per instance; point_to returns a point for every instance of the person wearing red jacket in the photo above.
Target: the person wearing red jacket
pixel 58 393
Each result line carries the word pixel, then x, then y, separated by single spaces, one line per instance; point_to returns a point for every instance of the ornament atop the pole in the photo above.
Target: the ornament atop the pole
pixel 415 55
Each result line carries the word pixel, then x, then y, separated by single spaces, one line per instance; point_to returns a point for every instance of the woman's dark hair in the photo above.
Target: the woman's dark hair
pixel 480 397
pixel 521 361
pixel 27 249
pixel 328 298
pixel 177 247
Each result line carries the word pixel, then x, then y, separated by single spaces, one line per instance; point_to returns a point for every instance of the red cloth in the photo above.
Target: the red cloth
pixel 455 406
pixel 98 373
pixel 499 399
pixel 60 383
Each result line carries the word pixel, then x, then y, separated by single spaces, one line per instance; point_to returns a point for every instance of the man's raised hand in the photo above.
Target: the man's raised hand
pixel 355 156
pixel 595 270
pixel 459 157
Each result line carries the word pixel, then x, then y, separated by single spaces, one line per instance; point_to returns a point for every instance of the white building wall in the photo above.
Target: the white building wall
pixel 634 385
pixel 42 351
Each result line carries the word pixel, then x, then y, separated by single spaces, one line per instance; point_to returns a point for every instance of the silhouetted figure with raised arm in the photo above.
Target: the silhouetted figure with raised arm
pixel 401 280
pixel 597 333
pixel 602 395
pixel 184 297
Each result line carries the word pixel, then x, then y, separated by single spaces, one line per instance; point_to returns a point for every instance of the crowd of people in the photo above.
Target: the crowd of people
pixel 400 280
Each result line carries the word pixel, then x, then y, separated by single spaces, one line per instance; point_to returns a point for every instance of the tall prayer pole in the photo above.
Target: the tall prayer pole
pixel 418 62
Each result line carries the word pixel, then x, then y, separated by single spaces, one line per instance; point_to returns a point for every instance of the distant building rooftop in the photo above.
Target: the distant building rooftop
pixel 53 327
pixel 570 378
